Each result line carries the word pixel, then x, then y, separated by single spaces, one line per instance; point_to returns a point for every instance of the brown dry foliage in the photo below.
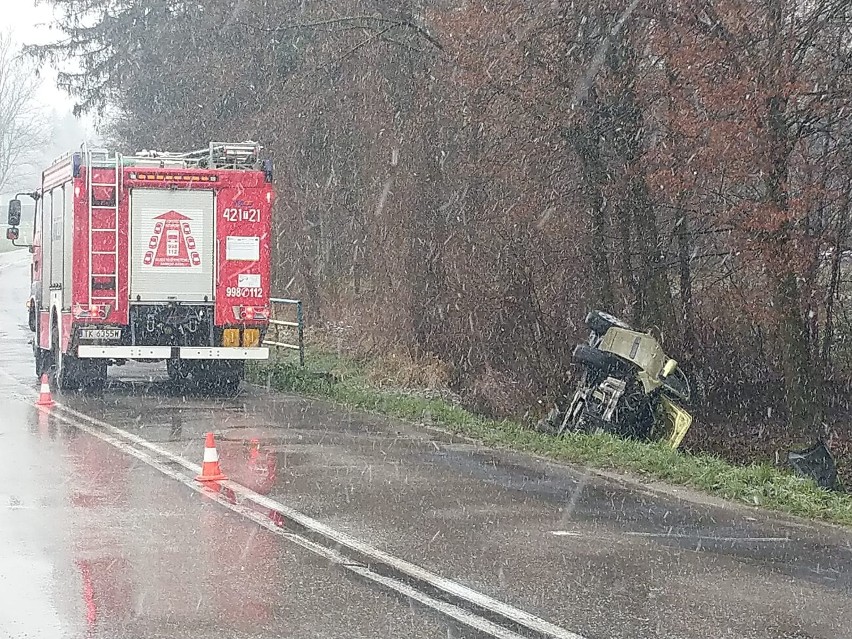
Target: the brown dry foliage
pixel 461 182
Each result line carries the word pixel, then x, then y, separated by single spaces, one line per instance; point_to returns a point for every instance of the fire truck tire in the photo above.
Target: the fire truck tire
pixel 227 387
pixel 42 361
pixel 68 373
pixel 91 375
pixel 221 378
pixel 178 371
pixel 59 367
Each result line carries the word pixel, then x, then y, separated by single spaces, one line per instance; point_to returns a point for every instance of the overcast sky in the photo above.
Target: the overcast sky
pixel 29 23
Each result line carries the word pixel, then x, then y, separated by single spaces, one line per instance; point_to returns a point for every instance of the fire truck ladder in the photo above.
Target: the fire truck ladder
pixel 108 225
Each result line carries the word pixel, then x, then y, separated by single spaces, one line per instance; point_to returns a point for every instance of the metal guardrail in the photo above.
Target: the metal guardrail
pixel 280 324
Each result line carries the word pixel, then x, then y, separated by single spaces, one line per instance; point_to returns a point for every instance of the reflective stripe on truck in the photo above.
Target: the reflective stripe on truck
pixel 165 352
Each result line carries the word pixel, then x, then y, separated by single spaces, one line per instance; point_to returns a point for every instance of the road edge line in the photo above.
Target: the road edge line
pixel 459 591
pixel 466 617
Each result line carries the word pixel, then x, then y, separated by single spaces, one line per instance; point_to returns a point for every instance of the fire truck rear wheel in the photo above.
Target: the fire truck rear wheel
pixel 178 370
pixel 59 365
pixel 42 360
pixel 220 378
pixel 227 387
pixel 68 373
pixel 92 375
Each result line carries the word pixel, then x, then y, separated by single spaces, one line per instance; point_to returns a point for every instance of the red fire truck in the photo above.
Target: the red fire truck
pixel 151 257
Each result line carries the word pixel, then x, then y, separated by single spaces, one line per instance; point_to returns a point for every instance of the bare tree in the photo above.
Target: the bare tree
pixel 21 125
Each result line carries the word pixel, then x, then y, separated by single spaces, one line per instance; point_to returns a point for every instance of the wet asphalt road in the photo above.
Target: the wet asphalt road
pixel 96 543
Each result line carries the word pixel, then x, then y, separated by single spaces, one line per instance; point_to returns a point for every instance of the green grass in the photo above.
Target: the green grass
pixel 344 381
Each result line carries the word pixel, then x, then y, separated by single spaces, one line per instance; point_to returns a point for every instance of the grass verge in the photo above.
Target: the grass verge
pixel 345 381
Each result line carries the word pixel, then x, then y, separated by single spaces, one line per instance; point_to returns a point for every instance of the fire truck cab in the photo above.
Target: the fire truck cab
pixel 151 257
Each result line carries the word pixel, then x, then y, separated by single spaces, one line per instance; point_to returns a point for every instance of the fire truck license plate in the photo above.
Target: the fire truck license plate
pixel 100 333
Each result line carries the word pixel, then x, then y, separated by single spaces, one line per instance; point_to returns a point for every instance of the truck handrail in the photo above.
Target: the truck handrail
pixel 218 155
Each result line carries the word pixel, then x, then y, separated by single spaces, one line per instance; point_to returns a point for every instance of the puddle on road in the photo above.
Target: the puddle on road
pixel 260 433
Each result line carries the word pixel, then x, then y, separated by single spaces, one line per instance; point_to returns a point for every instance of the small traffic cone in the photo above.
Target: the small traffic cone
pixel 44 398
pixel 210 470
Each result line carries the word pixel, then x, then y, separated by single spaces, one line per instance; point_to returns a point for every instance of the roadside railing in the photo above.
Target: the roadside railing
pixel 279 326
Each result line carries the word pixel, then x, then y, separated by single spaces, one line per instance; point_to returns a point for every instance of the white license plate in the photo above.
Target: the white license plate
pixel 100 333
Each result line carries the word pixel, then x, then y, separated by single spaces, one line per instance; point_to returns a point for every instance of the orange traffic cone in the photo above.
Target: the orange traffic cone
pixel 210 470
pixel 44 398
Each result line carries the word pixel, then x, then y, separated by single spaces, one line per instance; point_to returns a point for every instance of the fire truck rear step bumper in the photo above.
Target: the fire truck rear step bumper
pixel 230 352
pixel 124 352
pixel 165 352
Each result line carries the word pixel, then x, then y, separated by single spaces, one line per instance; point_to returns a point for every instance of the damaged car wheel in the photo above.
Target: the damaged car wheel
pixel 600 322
pixel 599 360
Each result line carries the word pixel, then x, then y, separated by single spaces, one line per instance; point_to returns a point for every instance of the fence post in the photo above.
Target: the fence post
pixel 280 324
pixel 301 321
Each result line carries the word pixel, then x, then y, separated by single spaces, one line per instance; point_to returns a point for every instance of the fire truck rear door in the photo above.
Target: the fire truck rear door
pixel 172 249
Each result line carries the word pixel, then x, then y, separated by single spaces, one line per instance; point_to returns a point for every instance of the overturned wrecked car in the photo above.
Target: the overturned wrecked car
pixel 626 386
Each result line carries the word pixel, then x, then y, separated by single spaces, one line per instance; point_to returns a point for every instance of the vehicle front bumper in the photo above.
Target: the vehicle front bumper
pixel 87 351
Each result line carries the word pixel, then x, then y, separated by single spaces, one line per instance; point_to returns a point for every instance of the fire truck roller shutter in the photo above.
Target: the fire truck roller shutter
pixel 172 248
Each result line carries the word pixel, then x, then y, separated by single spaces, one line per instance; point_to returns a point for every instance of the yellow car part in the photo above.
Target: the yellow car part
pixel 677 422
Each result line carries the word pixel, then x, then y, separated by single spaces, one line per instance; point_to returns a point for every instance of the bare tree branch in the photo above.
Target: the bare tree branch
pixel 21 127
pixel 377 20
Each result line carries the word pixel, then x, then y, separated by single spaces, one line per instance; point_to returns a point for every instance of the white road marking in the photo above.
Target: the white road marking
pixel 461 615
pixel 710 538
pixel 565 533
pixel 402 566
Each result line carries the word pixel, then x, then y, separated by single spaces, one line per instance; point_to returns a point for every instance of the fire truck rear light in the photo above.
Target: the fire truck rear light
pixel 250 313
pixel 231 337
pixel 251 338
pixel 96 311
